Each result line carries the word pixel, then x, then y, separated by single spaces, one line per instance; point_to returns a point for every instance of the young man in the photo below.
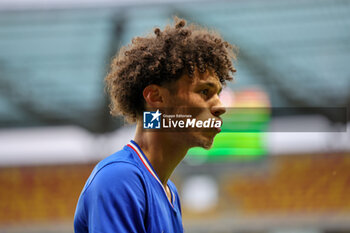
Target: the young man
pixel 178 70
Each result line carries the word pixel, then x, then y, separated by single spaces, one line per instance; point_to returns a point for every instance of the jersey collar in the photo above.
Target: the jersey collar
pixel 133 145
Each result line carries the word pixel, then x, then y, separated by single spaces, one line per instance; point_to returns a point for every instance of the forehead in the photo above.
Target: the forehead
pixel 198 78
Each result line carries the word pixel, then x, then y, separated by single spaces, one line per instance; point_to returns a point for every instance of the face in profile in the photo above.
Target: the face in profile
pixel 199 97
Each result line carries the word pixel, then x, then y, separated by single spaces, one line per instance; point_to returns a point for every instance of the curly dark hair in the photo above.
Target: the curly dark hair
pixel 162 58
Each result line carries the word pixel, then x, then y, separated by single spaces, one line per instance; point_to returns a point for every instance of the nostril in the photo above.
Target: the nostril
pixel 217 111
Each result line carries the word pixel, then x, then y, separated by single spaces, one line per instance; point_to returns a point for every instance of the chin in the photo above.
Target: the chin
pixel 203 141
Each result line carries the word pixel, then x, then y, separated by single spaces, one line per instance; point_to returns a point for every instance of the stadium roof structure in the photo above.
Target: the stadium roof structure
pixel 53 61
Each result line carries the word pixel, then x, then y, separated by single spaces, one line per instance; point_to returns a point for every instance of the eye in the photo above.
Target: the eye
pixel 204 92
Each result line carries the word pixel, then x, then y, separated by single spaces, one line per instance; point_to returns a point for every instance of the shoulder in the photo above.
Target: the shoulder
pixel 116 175
pixel 116 171
pixel 114 198
pixel 120 184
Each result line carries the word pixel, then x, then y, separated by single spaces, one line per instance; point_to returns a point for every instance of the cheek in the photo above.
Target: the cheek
pixel 195 100
pixel 199 108
pixel 184 99
pixel 173 101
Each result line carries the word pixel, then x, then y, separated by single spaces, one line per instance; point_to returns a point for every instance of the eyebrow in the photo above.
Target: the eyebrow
pixel 212 84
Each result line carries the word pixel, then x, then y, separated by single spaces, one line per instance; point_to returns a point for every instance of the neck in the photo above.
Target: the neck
pixel 162 149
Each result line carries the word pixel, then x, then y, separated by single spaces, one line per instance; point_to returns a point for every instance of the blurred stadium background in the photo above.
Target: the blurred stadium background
pixel 55 124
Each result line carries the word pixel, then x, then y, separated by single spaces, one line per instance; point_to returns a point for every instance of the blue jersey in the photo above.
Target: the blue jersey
pixel 124 194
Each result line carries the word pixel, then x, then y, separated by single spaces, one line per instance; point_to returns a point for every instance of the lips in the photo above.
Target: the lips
pixel 218 129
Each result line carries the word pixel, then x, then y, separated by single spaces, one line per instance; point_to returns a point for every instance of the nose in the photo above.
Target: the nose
pixel 218 109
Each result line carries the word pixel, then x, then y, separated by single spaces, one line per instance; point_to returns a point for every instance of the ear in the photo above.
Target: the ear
pixel 153 95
